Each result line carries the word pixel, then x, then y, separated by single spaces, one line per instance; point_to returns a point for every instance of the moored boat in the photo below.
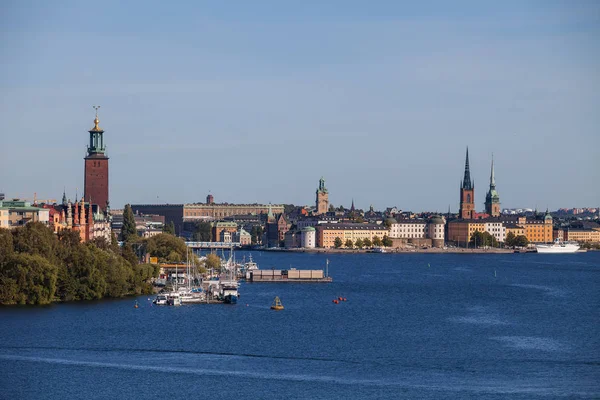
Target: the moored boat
pixel 557 247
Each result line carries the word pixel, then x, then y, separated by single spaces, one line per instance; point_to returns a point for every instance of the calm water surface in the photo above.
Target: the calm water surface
pixel 414 326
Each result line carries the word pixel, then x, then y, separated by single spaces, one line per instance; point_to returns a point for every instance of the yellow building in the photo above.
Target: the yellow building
pixel 4 218
pixel 537 230
pixel 516 230
pixel 582 235
pixel 327 233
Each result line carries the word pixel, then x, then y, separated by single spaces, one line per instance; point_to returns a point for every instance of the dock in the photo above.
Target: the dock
pixel 288 276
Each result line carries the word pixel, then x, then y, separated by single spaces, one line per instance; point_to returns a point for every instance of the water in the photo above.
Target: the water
pixel 519 326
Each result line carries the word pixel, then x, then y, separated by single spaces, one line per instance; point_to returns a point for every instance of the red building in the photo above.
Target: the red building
pixel 96 168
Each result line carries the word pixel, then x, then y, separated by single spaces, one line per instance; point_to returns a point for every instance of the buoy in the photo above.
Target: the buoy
pixel 339 298
pixel 344 299
pixel 246 305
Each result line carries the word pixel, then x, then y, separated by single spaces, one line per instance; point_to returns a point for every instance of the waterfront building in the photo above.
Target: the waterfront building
pixel 492 199
pixel 467 193
pixel 220 228
pixel 292 239
pixel 419 232
pixel 495 228
pixel 514 228
pixel 96 167
pixel 242 237
pixel 327 233
pixel 19 212
pixel 322 201
pixel 308 237
pixel 582 231
pixel 180 213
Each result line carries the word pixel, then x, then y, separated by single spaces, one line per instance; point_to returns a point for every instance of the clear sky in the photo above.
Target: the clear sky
pixel 254 101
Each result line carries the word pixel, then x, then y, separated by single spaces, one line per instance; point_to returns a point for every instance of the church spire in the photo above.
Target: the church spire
pixel 466 184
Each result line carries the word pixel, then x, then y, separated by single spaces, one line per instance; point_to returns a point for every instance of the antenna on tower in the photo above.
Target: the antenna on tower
pixel 96 108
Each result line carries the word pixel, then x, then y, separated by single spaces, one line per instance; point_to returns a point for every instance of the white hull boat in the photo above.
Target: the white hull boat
pixel 557 247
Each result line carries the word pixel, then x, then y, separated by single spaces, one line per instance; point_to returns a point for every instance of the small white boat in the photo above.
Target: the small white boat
pixel 173 299
pixel 160 300
pixel 557 247
pixel 379 250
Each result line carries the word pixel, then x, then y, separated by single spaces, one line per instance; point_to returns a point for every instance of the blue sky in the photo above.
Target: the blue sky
pixel 255 101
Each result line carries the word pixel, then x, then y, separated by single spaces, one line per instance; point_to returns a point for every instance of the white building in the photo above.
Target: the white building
pixel 308 237
pixel 496 229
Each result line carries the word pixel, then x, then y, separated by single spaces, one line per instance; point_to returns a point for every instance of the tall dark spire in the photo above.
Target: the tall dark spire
pixel 466 184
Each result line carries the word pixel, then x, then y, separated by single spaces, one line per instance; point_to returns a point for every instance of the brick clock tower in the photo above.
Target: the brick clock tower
pixel 467 194
pixel 96 167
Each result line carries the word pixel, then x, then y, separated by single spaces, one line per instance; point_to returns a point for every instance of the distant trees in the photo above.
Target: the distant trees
pixel 521 241
pixel 128 231
pixel 37 267
pixel 202 231
pixel 510 239
pixel 331 208
pixel 377 241
pixel 367 242
pixel 167 248
pixel 337 243
pixel 483 239
pixel 256 234
pixel 516 241
pixel 349 244
pixel 213 262
pixel 387 242
pixel 359 243
pixel 169 228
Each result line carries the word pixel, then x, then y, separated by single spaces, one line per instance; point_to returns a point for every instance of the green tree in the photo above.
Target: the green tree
pixel 128 231
pixel 476 239
pixel 377 241
pixel 6 245
pixel 331 208
pixel 32 275
pixel 213 262
pixel 521 241
pixel 367 242
pixel 202 232
pixel 349 244
pixel 169 228
pixel 510 239
pixel 359 243
pixel 387 242
pixel 167 248
pixel 337 243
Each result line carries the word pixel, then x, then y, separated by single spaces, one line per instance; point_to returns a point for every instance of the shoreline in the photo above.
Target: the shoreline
pixel 398 251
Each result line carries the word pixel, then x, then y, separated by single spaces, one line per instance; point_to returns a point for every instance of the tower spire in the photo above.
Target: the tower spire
pixel 466 184
pixel 492 176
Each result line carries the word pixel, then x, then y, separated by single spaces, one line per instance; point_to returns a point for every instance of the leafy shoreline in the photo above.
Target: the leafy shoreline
pixel 40 267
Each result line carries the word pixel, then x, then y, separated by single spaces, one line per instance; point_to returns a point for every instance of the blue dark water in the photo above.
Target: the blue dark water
pixel 519 326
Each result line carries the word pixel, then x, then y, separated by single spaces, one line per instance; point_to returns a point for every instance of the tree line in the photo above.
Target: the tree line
pixel 38 266
pixel 360 243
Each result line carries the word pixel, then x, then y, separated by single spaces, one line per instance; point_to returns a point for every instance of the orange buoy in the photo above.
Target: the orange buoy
pixel 339 298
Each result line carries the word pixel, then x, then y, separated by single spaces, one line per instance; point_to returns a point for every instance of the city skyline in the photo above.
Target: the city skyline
pixel 285 95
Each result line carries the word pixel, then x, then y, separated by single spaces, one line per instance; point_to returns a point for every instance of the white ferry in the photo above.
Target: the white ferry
pixel 557 247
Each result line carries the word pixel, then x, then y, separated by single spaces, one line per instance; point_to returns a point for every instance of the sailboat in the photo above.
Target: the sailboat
pixel 191 294
pixel 229 285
